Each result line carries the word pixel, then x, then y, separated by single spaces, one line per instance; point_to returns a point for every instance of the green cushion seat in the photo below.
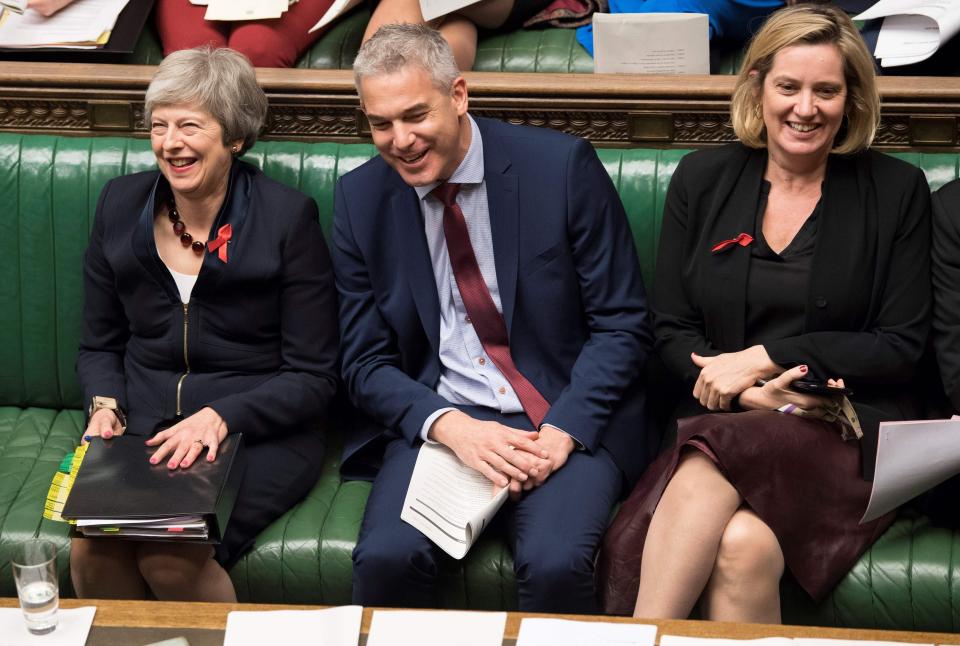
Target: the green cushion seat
pixel 49 186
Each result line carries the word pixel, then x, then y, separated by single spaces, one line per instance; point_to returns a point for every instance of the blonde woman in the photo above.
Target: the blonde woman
pixel 795 254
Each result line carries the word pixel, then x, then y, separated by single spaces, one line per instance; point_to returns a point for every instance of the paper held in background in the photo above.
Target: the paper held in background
pixel 449 502
pixel 912 457
pixel 436 628
pixel 337 9
pixel 651 43
pixel 913 30
pixel 565 632
pixel 338 626
pixel 81 25
pixel 237 10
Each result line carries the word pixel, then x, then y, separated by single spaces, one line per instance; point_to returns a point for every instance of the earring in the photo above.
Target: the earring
pixel 235 149
pixel 756 112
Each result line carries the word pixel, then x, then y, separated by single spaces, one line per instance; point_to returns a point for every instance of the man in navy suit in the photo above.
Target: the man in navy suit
pixel 491 301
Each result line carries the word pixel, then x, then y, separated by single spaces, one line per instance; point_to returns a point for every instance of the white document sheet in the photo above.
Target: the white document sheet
pixel 448 501
pixel 72 628
pixel 564 632
pixel 435 8
pixel 328 627
pixel 80 25
pixel 436 628
pixel 651 43
pixel 337 9
pixel 672 640
pixel 912 30
pixel 236 10
pixel 911 458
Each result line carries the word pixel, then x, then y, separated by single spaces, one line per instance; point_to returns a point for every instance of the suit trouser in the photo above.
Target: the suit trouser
pixel 554 531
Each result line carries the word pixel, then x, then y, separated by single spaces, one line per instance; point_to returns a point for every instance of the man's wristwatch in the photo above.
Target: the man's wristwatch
pixel 109 403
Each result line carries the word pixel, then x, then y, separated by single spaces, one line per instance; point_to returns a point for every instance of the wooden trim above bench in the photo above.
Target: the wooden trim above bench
pixel 609 110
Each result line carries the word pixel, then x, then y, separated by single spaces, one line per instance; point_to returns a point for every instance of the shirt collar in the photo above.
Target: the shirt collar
pixel 470 170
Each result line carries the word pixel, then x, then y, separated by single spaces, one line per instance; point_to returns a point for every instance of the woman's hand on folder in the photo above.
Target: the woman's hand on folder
pixel 103 423
pixel 184 442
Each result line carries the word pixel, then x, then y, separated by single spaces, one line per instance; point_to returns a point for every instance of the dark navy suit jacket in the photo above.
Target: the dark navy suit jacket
pixel 572 294
pixel 258 341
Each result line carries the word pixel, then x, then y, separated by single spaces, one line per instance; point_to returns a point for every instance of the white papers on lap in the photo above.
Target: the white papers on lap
pixel 564 632
pixel 913 30
pixel 436 628
pixel 651 43
pixel 435 8
pixel 330 627
pixel 235 10
pixel 449 502
pixel 911 458
pixel 84 24
pixel 73 626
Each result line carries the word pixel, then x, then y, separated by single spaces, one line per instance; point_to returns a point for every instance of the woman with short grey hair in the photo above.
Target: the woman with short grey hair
pixel 209 310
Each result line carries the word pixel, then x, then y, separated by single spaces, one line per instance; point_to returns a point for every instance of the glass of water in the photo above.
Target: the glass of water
pixel 34 565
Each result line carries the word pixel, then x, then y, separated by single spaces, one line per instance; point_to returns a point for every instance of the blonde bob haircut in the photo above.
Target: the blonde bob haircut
pixel 809 24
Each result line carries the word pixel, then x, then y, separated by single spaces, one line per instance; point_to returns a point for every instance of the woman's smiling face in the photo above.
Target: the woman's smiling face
pixel 804 96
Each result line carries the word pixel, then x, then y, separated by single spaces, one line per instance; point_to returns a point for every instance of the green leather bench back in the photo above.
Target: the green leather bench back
pixel 48 192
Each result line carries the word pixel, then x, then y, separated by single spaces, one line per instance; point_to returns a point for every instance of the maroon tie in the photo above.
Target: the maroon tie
pixel 486 320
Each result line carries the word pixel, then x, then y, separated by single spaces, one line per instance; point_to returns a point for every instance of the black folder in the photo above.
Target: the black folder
pixel 117 481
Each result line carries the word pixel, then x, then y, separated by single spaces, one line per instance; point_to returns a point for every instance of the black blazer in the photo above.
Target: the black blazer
pixel 946 287
pixel 868 306
pixel 258 340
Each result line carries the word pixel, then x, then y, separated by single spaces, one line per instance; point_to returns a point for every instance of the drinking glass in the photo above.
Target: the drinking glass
pixel 34 565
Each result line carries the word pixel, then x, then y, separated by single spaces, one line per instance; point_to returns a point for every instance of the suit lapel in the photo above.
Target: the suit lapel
pixel 415 258
pixel 735 212
pixel 503 200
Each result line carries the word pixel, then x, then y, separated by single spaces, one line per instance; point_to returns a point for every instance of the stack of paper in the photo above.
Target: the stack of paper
pixel 172 528
pixel 913 30
pixel 84 24
pixel 565 632
pixel 448 501
pixel 436 628
pixel 234 10
pixel 672 640
pixel 330 627
pixel 651 43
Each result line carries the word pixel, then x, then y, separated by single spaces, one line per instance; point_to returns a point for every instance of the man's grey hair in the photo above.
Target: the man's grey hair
pixel 218 80
pixel 394 47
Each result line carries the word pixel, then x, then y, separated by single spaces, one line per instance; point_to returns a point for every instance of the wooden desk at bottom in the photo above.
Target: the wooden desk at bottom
pixel 133 623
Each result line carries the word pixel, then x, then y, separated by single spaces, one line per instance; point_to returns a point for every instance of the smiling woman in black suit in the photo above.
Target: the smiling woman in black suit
pixel 797 253
pixel 209 310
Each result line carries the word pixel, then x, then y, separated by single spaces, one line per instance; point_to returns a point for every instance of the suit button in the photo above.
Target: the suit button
pixel 502 390
pixel 482 361
pixel 821 302
pixel 466 319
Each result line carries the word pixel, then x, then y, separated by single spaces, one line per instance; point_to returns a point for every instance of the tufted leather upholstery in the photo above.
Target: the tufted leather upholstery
pixel 48 189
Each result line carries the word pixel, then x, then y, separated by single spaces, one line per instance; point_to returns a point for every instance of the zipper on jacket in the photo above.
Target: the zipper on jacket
pixel 186 359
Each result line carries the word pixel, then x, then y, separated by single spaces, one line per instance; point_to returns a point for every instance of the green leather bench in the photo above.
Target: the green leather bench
pixel 48 192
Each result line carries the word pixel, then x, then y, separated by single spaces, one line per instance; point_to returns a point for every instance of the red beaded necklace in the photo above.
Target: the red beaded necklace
pixel 180 229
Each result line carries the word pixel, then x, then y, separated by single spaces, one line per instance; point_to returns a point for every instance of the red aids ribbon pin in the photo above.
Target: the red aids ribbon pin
pixel 744 240
pixel 223 237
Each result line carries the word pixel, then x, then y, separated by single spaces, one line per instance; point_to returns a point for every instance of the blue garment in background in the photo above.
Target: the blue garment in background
pixel 729 19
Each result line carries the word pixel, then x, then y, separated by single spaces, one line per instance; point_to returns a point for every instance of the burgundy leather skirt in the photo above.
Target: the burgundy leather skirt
pixel 795 473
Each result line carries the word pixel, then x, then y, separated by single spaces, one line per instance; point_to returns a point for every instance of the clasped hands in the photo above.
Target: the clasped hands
pixel 508 457
pixel 183 442
pixel 755 378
